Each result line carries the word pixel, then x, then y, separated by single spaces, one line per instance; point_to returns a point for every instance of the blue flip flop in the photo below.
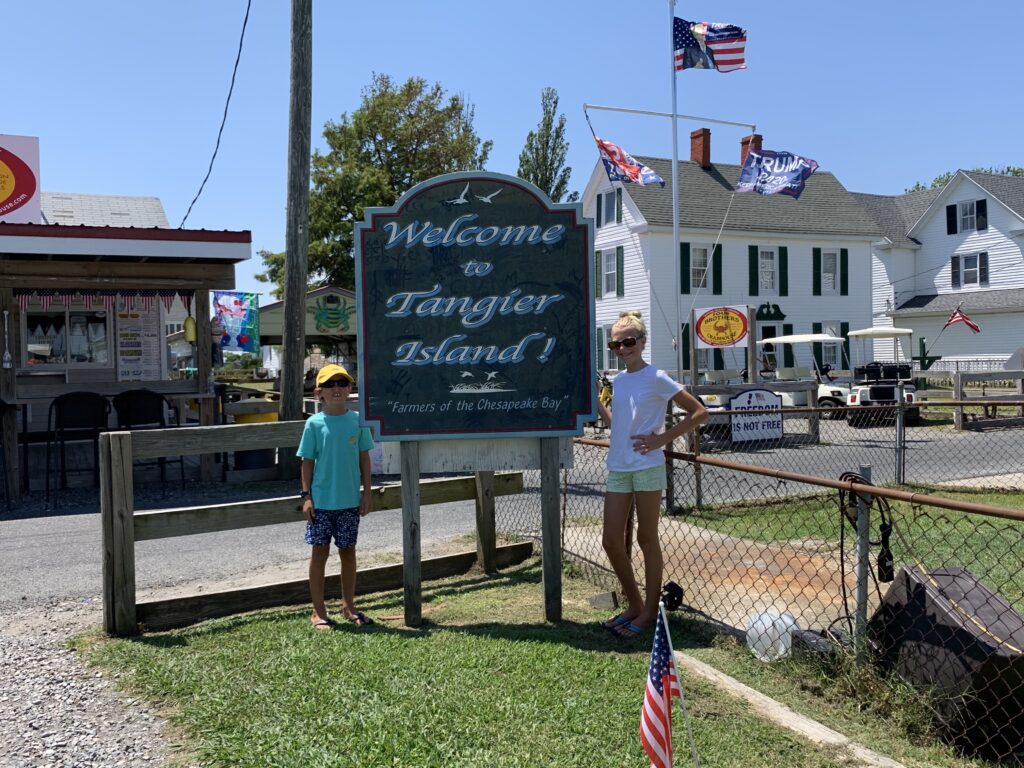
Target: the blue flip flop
pixel 629 630
pixel 615 622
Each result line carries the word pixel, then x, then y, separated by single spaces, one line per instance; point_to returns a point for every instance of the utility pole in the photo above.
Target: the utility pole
pixel 297 227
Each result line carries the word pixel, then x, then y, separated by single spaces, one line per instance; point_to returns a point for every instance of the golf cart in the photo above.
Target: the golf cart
pixel 832 389
pixel 878 382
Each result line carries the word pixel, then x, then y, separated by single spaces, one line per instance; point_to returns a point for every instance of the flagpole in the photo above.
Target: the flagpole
pixel 677 340
pixel 682 692
pixel 941 331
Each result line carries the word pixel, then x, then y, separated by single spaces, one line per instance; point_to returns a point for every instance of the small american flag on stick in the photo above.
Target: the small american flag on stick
pixel 662 687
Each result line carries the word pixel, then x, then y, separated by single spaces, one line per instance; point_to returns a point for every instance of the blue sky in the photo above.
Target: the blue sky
pixel 126 95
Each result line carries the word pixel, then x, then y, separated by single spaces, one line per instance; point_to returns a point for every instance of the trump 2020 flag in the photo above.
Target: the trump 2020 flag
pixel 708 45
pixel 620 166
pixel 767 172
pixel 662 687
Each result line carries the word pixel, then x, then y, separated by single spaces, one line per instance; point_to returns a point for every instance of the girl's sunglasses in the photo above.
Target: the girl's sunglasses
pixel 332 383
pixel 627 342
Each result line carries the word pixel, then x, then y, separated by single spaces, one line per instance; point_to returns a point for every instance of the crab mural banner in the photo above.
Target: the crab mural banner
pixel 475 312
pixel 238 316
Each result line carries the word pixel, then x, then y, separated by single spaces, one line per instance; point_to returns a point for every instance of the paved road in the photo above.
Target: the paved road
pixel 58 556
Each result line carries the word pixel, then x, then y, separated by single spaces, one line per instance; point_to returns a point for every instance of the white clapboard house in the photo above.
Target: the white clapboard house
pixel 804 264
pixel 961 245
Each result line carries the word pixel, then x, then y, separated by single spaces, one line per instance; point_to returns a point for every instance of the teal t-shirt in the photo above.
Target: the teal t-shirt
pixel 334 443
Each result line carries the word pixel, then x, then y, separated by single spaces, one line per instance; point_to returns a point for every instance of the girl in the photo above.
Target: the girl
pixel 636 467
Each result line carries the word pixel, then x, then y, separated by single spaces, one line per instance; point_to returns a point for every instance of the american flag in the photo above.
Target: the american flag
pixel 620 165
pixel 703 45
pixel 958 316
pixel 662 686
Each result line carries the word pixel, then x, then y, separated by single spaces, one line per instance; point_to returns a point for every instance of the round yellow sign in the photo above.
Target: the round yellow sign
pixel 721 327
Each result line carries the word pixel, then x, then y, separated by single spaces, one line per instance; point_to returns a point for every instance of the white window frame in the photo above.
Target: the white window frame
pixel 964 269
pixel 768 359
pixel 699 272
pixel 831 354
pixel 704 360
pixel 75 309
pixel 609 277
pixel 763 271
pixel 827 275
pixel 966 217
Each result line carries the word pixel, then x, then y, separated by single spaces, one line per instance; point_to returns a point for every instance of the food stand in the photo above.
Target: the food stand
pixel 85 309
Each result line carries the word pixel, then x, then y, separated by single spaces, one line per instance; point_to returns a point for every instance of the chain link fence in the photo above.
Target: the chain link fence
pixel 916 571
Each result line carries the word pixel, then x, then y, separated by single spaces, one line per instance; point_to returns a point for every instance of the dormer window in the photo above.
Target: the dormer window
pixel 966 216
pixel 966 209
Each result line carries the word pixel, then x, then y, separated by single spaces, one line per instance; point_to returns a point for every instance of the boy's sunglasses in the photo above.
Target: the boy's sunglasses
pixel 331 384
pixel 627 342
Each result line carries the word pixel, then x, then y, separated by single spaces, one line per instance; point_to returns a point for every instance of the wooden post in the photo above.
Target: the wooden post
pixel 296 277
pixel 117 505
pixel 814 422
pixel 486 539
pixel 9 413
pixel 551 551
pixel 204 370
pixel 411 558
pixel 670 485
pixel 958 395
pixel 9 447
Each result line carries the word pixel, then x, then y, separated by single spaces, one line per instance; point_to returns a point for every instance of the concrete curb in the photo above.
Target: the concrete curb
pixel 783 716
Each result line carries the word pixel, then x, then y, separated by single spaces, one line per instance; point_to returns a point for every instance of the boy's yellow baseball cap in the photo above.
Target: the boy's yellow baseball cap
pixel 328 372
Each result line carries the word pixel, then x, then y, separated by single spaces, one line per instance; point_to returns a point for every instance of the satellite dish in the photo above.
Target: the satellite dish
pixel 1015 362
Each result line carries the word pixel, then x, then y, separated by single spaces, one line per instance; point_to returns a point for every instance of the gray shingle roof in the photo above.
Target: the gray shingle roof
pixel 825 207
pixel 102 210
pixel 896 214
pixel 1009 190
pixel 1005 298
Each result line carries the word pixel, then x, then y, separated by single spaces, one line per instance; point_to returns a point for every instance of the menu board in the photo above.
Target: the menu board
pixel 138 345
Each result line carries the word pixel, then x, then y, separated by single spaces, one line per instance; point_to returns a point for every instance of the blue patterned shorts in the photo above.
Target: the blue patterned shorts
pixel 340 524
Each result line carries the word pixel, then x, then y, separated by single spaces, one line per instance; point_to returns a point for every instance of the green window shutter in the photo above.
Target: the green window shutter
pixel 598 266
pixel 816 328
pixel 600 209
pixel 618 205
pixel 685 339
pixel 752 265
pixel 844 272
pixel 844 329
pixel 783 271
pixel 816 271
pixel 599 357
pixel 716 271
pixel 787 349
pixel 684 267
pixel 620 279
pixel 719 360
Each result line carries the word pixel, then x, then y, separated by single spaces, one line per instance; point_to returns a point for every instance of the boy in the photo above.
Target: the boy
pixel 335 455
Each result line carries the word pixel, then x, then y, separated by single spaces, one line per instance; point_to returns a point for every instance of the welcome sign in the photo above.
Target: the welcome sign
pixel 475 317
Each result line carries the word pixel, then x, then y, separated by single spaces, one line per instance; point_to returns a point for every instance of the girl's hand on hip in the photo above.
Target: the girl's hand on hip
pixel 645 443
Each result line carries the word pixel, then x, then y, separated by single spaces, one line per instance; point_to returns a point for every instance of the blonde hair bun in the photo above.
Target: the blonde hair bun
pixel 632 319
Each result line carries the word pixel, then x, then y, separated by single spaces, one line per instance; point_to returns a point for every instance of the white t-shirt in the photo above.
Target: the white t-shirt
pixel 639 401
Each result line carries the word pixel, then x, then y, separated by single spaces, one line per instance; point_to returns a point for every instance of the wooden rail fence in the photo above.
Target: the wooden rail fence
pixel 123 526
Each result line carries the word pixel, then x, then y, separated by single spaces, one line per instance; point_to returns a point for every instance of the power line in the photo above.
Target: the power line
pixel 224 119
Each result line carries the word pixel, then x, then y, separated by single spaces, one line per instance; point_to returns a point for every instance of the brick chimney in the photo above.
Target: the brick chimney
pixel 700 147
pixel 747 143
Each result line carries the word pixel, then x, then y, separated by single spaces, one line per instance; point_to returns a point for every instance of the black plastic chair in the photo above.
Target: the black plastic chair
pixel 75 416
pixel 146 409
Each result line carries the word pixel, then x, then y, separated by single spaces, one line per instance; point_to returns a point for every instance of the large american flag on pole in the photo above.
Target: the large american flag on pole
pixel 662 687
pixel 707 45
pixel 959 316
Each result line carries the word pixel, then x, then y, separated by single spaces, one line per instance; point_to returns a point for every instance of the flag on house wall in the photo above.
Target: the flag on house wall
pixel 662 687
pixel 620 166
pixel 958 316
pixel 708 45
pixel 767 173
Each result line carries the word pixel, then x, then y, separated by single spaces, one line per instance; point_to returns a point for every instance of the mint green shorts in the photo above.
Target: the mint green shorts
pixel 651 479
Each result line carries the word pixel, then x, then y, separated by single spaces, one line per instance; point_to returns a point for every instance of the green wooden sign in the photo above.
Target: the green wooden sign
pixel 476 312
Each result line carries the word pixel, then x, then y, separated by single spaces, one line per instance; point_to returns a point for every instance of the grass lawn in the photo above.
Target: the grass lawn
pixel 484 682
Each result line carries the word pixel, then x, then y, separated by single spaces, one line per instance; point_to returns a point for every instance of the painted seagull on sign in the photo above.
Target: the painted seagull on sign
pixel 460 200
pixel 487 198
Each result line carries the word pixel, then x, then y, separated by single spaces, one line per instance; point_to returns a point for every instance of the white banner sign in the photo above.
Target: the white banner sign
pixel 756 426
pixel 19 180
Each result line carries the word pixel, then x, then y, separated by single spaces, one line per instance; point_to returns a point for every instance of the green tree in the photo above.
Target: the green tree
pixel 943 179
pixel 542 161
pixel 398 137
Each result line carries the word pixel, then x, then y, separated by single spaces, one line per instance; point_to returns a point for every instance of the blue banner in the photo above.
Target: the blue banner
pixel 767 173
